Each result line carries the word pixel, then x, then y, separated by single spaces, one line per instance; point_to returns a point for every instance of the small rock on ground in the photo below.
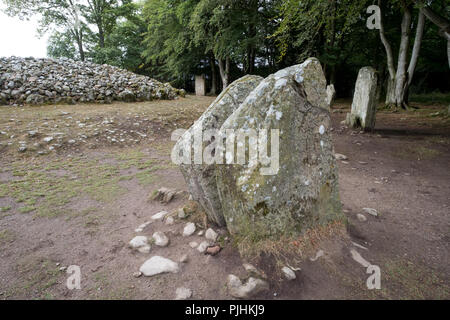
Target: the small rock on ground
pixel 203 246
pixel 159 215
pixel 140 243
pixel 183 294
pixel 189 229
pixel 161 240
pixel 156 265
pixel 371 211
pixel 340 156
pixel 193 244
pixel 361 217
pixel 211 235
pixel 240 290
pixel 288 273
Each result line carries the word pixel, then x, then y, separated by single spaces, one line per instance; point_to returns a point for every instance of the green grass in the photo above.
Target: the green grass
pixel 6 236
pixel 5 209
pixel 417 152
pixel 48 195
pixel 37 276
pixel 408 280
pixel 431 98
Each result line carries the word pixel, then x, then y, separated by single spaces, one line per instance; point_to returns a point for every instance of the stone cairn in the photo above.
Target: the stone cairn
pixel 364 105
pixel 303 192
pixel 49 81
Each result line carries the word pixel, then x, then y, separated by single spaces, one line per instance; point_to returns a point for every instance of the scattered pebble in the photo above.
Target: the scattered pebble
pixel 245 290
pixel 156 265
pixel 371 211
pixel 160 215
pixel 288 273
pixel 189 229
pixel 183 294
pixel 161 240
pixel 203 246
pixel 211 235
pixel 361 217
pixel 140 243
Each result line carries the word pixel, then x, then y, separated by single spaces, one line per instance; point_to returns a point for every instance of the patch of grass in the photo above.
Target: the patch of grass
pixel 27 209
pixel 5 209
pixel 145 177
pixel 290 249
pixel 38 275
pixel 6 236
pixel 417 152
pixel 408 280
pixel 431 98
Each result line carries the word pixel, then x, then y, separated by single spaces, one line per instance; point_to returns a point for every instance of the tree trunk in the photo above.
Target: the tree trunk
pixel 401 75
pixel 399 83
pixel 224 72
pixel 79 38
pixel 438 20
pixel 101 36
pixel 212 62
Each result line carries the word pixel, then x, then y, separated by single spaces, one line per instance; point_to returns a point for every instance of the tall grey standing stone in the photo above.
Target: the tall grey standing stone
pixel 331 94
pixel 200 178
pixel 364 105
pixel 304 191
pixel 200 86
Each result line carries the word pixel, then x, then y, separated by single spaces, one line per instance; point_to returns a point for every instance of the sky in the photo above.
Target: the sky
pixel 19 38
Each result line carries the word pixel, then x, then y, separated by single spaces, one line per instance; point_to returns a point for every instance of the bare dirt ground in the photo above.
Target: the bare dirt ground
pixel 76 181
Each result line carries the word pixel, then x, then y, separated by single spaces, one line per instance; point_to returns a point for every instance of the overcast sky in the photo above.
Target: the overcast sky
pixel 19 38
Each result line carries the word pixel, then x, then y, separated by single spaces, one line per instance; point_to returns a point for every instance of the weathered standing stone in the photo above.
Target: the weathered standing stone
pixel 200 85
pixel 364 105
pixel 304 191
pixel 331 94
pixel 200 178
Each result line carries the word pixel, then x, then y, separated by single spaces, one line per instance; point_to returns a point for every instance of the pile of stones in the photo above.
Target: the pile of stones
pixel 48 81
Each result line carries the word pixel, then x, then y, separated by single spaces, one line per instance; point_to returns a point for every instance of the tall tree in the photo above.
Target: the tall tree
pixel 53 14
pixel 400 77
pixel 442 22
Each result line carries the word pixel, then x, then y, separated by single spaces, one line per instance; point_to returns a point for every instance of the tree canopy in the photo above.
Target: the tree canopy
pixel 174 40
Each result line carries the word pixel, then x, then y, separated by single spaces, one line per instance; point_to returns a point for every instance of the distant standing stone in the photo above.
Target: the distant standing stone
pixel 331 94
pixel 364 105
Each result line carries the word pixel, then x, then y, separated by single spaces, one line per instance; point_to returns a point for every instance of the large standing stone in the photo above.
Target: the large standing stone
pixel 364 105
pixel 200 178
pixel 304 191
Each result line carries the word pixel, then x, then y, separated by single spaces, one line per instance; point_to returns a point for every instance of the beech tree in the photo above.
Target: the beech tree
pixel 401 74
pixel 53 14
